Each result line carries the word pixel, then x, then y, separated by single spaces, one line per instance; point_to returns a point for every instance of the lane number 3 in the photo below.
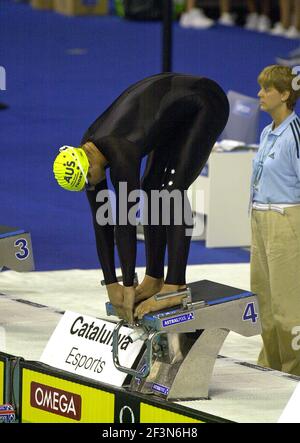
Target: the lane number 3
pixel 23 250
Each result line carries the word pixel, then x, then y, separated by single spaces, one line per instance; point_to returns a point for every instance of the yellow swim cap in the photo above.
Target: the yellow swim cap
pixel 70 168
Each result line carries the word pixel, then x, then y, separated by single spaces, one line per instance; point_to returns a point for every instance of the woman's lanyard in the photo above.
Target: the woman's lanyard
pixel 260 166
pixel 257 173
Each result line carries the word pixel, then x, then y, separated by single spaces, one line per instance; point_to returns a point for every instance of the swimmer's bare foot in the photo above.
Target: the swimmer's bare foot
pixel 151 305
pixel 116 297
pixel 128 303
pixel 123 300
pixel 149 286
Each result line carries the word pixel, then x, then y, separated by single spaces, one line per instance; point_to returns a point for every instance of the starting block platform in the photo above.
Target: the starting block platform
pixel 15 249
pixel 182 343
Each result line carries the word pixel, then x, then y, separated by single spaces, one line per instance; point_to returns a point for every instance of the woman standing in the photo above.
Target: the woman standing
pixel 275 198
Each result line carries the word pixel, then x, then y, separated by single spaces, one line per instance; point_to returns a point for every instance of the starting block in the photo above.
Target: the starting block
pixel 182 343
pixel 15 249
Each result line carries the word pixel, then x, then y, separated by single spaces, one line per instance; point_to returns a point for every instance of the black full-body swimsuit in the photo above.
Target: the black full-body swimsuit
pixel 175 119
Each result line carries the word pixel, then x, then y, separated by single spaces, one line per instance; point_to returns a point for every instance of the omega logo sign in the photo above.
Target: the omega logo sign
pixel 55 401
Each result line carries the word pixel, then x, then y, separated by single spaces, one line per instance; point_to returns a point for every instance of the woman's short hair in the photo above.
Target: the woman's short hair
pixel 283 79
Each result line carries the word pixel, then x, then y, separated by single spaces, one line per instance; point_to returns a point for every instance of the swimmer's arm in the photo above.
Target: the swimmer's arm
pixel 104 233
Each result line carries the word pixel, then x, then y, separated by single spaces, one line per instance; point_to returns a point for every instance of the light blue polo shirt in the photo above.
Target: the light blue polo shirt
pixel 276 166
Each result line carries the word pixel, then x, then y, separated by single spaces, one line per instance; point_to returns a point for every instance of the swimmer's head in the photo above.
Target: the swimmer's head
pixel 71 168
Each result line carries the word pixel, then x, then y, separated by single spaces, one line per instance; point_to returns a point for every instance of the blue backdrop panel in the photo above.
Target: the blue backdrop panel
pixel 62 72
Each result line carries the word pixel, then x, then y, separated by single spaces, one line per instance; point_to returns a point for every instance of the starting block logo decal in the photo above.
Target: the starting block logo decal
pixel 178 319
pixel 160 388
pixel 142 370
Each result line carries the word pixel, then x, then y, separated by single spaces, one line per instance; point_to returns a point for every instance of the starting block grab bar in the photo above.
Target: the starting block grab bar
pixel 145 371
